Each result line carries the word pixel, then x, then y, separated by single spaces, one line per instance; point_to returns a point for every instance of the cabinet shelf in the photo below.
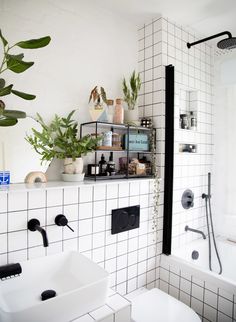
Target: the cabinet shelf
pixel 126 153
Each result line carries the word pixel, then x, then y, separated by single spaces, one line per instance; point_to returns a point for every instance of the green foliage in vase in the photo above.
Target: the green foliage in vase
pixel 60 139
pixel 131 90
pixel 16 64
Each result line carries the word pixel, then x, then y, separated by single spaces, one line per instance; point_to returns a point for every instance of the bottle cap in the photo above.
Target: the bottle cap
pixel 118 100
pixel 110 102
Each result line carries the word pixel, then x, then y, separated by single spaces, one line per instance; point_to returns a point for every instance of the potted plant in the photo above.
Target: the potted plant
pixel 131 90
pixel 15 64
pixel 97 110
pixel 60 140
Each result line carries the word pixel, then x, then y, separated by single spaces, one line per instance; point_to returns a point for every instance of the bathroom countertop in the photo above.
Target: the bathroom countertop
pixel 62 184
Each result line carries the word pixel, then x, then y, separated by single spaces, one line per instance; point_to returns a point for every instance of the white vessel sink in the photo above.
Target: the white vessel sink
pixel 80 285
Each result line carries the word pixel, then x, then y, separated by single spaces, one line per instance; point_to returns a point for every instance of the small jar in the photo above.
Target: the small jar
pixel 107 139
pixel 110 111
pixel 116 140
pixel 184 121
pixel 119 112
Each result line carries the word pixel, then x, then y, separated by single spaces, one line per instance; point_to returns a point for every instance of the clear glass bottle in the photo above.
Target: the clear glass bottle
pixel 110 111
pixel 119 112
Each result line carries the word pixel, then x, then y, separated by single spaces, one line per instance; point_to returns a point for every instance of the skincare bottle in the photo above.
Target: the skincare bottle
pixel 102 166
pixel 111 166
pixel 119 112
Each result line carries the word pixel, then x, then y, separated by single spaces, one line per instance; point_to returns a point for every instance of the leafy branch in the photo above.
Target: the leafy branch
pixel 131 90
pixel 60 139
pixel 16 64
pixel 98 97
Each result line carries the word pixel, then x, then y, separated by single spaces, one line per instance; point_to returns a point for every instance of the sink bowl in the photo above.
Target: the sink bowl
pixel 80 286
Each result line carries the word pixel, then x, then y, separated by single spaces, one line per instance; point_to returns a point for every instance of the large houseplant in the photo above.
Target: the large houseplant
pixel 16 64
pixel 131 90
pixel 59 139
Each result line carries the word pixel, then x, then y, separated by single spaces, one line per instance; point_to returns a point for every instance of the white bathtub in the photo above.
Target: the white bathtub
pixel 182 260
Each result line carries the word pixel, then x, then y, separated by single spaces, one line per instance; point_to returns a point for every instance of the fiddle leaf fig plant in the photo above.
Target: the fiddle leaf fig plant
pixel 131 90
pixel 59 139
pixel 16 64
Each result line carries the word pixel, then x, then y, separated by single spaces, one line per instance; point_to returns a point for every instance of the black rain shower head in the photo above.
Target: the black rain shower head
pixel 227 43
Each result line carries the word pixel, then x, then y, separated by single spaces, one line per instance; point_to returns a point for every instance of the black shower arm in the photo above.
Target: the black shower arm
pixel 189 45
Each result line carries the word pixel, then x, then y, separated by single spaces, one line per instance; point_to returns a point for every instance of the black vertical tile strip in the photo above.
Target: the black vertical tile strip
pixel 169 158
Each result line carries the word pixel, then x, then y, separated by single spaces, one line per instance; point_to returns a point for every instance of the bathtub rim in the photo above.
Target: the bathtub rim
pixel 221 282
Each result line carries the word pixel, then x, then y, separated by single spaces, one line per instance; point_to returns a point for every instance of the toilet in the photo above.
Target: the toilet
pixel 157 306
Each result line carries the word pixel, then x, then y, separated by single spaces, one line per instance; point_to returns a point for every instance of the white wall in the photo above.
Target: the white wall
pixel 89 46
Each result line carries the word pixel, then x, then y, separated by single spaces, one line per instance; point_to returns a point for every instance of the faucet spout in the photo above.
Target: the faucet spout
pixel 44 235
pixel 34 225
pixel 187 228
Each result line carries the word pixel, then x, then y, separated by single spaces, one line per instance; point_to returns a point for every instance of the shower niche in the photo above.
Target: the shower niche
pixel 188 110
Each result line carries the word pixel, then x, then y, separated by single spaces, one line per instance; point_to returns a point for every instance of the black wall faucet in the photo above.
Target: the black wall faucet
pixel 33 225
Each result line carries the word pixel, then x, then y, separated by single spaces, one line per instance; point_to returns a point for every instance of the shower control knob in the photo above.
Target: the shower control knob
pixel 61 220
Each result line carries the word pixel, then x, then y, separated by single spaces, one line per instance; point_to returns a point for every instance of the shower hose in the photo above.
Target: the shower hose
pixel 209 215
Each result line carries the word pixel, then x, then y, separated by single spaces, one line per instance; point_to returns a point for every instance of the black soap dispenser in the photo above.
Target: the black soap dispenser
pixel 102 166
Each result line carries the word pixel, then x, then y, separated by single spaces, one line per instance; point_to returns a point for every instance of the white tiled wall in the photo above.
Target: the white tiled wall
pixel 129 257
pixel 162 42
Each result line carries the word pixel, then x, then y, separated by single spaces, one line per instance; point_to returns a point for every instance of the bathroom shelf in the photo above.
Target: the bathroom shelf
pixel 96 128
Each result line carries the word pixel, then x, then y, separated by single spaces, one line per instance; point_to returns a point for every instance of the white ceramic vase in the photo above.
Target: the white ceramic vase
pixel 132 116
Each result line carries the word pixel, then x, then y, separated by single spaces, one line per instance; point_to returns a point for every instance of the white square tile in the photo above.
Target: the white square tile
pixel 123 189
pixel 3 243
pixel 70 196
pixel 110 251
pixel 85 210
pixel 99 224
pixel 70 244
pixel 54 197
pixel 110 265
pixel 99 208
pixel 17 220
pixel 3 202
pixel 36 252
pixel 39 214
pixel 54 248
pixel 98 239
pixel 17 256
pixel 101 313
pixel 225 306
pixel 17 201
pixel 110 205
pixel 86 194
pixel 85 227
pixel 144 187
pixel 54 233
pixel 3 223
pixel 122 247
pixel 85 243
pixel 210 298
pixel 71 212
pixel 17 240
pixel 37 199
pixel 100 192
pixel 98 255
pixel 112 191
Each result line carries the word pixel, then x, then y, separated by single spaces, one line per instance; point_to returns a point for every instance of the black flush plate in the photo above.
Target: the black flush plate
pixel 124 219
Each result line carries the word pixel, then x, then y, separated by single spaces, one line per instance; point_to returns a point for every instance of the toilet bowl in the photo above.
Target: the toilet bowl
pixel 157 306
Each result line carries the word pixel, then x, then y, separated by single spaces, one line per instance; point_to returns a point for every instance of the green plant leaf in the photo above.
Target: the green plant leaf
pixel 23 95
pixel 6 90
pixel 8 121
pixel 2 83
pixel 17 65
pixel 34 43
pixel 15 114
pixel 18 56
pixel 4 41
